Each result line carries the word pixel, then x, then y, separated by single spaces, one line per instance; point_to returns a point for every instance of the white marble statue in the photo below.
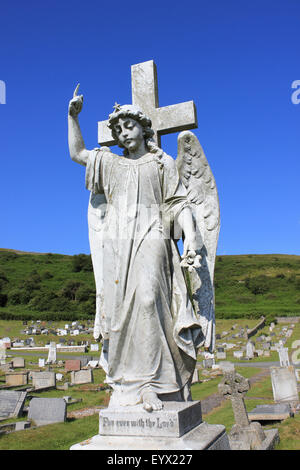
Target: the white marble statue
pixel 154 308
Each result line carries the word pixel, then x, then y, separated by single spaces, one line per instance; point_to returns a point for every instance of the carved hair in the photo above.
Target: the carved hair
pixel 130 111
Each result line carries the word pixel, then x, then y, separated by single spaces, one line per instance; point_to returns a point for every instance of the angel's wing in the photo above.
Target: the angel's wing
pixel 199 181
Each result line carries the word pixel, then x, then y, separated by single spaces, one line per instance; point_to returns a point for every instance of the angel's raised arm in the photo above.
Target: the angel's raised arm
pixel 77 149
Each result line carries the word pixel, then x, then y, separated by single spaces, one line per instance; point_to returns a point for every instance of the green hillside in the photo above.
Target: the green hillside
pixel 61 287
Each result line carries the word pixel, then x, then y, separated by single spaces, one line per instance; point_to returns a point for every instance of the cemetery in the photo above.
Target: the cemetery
pixel 152 341
pixel 69 390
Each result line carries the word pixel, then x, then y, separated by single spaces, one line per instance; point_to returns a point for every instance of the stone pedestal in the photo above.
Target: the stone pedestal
pixel 178 426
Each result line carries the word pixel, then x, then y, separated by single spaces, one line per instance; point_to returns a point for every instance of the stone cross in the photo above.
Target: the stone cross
pixel 234 387
pixel 165 120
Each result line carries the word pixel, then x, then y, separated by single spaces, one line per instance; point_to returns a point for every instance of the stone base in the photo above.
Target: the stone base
pixel 271 439
pixel 202 437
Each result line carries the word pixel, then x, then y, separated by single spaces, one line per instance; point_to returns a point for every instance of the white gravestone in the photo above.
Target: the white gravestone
pixel 250 350
pixel 283 356
pixel 284 384
pixel 52 353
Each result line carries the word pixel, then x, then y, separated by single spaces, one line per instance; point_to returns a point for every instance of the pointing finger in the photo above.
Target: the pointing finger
pixel 76 90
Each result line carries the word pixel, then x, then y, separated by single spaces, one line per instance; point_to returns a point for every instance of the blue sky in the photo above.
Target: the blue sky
pixel 236 59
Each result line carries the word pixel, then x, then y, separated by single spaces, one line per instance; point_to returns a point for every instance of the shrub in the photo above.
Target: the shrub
pixel 82 262
pixel 3 300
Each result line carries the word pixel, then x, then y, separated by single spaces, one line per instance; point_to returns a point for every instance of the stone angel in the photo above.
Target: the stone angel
pixel 154 308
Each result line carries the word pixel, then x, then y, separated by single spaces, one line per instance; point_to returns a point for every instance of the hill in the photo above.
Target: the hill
pixel 61 287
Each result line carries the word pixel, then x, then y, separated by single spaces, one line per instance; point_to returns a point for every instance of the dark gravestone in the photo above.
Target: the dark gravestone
pixel 11 403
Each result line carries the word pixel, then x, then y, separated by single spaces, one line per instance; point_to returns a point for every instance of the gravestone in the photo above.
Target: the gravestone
pixel 2 353
pixel 238 354
pixel 72 364
pixel 18 362
pixel 47 410
pixel 243 435
pixel 52 353
pixel 43 379
pixel 83 376
pixel 94 347
pixel 221 355
pixel 273 412
pixel 284 385
pixel 250 348
pixel 16 378
pixel 11 403
pixel 283 356
pixel 41 362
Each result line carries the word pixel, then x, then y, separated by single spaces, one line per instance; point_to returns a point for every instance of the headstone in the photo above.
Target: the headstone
pixel 47 410
pixel 18 362
pixel 2 353
pixel 243 435
pixel 43 379
pixel 250 348
pixel 41 362
pixel 284 384
pixel 11 403
pixel 221 355
pixel 16 378
pixel 95 347
pixel 283 356
pixel 83 376
pixel 238 354
pixel 59 376
pixel 72 364
pixel 52 353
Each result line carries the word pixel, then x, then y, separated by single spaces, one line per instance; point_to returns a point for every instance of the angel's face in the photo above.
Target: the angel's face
pixel 130 133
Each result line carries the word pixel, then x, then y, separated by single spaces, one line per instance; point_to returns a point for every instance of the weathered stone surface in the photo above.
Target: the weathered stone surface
pixel 174 420
pixel 273 412
pixel 72 364
pixel 47 410
pixel 284 384
pixel 11 403
pixel 18 362
pixel 43 379
pixel 83 376
pixel 16 378
pixel 174 118
pixel 202 437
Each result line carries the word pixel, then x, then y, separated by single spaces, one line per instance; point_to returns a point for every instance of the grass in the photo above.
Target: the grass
pixel 60 436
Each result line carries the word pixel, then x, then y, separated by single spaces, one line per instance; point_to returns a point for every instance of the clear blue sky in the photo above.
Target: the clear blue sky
pixel 236 59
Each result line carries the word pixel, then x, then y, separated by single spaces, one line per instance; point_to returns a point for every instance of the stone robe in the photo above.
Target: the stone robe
pixel 144 313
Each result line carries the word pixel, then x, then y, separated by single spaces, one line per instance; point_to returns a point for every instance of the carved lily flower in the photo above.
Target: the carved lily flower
pixel 191 260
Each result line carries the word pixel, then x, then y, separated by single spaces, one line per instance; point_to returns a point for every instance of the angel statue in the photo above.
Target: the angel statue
pixel 154 308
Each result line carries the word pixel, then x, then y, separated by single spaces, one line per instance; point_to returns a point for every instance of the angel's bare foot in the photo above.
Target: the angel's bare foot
pixel 151 402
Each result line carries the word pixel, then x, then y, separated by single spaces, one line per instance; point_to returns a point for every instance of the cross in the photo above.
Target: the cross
pixel 234 386
pixel 165 120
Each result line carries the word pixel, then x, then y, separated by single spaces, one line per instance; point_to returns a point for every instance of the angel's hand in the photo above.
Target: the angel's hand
pixel 190 260
pixel 75 105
